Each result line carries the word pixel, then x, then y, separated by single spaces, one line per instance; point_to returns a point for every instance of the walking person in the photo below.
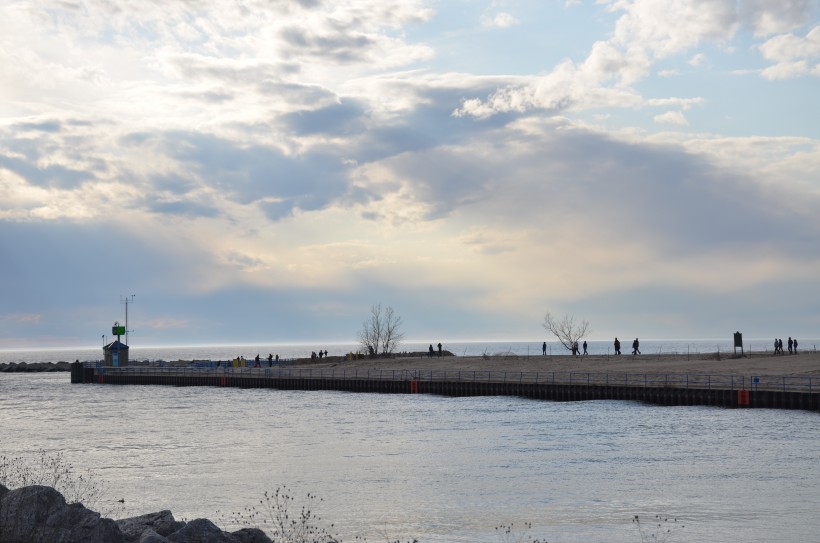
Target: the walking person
pixel 544 349
pixel 791 345
pixel 617 346
pixel 585 348
pixel 795 345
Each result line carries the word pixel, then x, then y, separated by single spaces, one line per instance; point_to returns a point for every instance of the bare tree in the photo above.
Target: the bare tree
pixel 381 333
pixel 566 330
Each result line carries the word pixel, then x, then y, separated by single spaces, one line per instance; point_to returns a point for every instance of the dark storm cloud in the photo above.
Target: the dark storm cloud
pixel 247 174
pixel 342 46
pixel 51 176
pixel 685 199
pixel 210 97
pixel 38 153
pixel 229 75
pixel 340 119
pixel 73 275
pixel 676 202
pixel 428 124
pixel 43 126
pixel 174 184
pixel 183 208
pixel 63 263
pixel 296 94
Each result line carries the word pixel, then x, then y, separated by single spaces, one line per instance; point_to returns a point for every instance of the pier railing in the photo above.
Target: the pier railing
pixel 640 380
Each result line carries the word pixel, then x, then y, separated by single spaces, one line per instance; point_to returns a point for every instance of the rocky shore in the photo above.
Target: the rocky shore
pixel 40 513
pixel 25 367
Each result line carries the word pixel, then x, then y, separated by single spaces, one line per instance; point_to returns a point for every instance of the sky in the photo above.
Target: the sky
pixel 268 170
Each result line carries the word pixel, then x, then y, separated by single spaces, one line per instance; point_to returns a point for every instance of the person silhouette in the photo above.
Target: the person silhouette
pixel 585 348
pixel 617 346
pixel 544 348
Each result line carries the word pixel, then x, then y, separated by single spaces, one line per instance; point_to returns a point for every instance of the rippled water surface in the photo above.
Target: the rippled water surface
pixel 440 469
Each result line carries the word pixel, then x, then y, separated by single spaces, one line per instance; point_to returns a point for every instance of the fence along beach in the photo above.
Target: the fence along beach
pixel 754 380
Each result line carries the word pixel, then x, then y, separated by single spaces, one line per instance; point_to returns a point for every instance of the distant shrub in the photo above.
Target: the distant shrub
pixel 660 530
pixel 52 469
pixel 508 533
pixel 275 516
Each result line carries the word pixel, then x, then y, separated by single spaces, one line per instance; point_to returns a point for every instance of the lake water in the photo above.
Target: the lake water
pixel 440 469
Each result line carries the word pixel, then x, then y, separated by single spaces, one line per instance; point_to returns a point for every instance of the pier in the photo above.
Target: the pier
pixel 730 391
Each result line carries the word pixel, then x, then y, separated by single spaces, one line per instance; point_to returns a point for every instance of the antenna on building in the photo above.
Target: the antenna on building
pixel 127 300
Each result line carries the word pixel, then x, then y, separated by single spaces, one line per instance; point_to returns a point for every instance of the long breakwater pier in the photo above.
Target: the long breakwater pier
pixel 730 391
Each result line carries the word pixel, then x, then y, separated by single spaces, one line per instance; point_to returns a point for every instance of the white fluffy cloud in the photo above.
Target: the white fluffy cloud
pixel 649 31
pixel 792 55
pixel 500 20
pixel 671 117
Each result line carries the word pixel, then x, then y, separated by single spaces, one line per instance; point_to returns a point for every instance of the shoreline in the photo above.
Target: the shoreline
pixel 806 364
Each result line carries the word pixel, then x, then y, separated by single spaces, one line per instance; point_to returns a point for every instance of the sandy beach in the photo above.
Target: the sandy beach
pixel 802 364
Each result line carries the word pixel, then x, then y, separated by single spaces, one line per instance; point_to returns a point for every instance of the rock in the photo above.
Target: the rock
pixel 25 367
pixel 150 536
pixel 201 531
pixel 251 535
pixel 162 523
pixel 40 513
pixel 3 490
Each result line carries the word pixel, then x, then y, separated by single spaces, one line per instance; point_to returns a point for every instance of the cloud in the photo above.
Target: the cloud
pixel 668 73
pixel 255 167
pixel 683 103
pixel 792 55
pixel 645 33
pixel 500 20
pixel 343 118
pixel 251 173
pixel 671 117
pixel 767 17
pixel 697 60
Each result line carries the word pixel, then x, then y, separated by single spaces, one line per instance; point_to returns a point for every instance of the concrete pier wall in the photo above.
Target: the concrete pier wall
pixel 660 395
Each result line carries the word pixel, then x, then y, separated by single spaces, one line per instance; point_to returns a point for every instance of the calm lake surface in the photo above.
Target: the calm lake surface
pixel 439 469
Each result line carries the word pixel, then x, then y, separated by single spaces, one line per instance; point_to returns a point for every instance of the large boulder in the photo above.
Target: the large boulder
pixel 204 531
pixel 40 513
pixel 162 523
pixel 251 535
pixel 150 536
pixel 201 531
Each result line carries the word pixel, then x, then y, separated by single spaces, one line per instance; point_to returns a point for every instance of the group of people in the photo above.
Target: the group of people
pixel 576 350
pixel 322 354
pixel 778 346
pixel 258 362
pixel 636 346
pixel 430 350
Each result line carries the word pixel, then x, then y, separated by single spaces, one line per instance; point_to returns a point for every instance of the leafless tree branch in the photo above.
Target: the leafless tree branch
pixel 566 330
